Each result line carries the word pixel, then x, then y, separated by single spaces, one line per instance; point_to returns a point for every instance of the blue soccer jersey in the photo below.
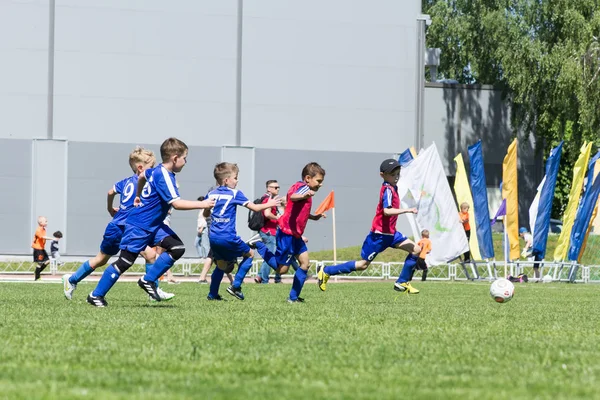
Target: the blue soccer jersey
pixel 126 189
pixel 159 193
pixel 224 211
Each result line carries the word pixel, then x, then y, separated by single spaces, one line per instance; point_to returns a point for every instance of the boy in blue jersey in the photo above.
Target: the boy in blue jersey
pixel 157 191
pixel 140 159
pixel 225 244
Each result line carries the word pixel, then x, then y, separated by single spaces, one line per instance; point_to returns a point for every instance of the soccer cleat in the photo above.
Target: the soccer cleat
pixel 298 300
pixel 322 278
pixel 405 286
pixel 165 296
pixel 257 279
pixel 217 298
pixel 235 292
pixel 253 240
pixel 97 301
pixel 150 288
pixel 68 287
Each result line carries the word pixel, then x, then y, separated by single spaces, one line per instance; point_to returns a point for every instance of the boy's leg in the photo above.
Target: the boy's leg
pixel 299 278
pixel 215 282
pixel 230 250
pixel 42 259
pixel 265 269
pixel 110 277
pixel 174 250
pixel 410 263
pixel 373 244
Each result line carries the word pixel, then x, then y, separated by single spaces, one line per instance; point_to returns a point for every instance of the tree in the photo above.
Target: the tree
pixel 544 55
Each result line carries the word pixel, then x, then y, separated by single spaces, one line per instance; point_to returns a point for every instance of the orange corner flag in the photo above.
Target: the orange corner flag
pixel 327 204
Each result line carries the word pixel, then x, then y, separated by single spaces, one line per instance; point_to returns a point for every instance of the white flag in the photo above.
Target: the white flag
pixel 423 184
pixel 533 210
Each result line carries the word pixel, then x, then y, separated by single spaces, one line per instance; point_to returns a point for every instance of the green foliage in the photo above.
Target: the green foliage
pixel 545 55
pixel 355 341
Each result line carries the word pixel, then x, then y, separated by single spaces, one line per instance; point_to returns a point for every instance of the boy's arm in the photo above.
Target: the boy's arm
pixel 302 196
pixel 110 197
pixel 270 215
pixel 388 212
pixel 140 188
pixel 264 206
pixel 317 217
pixel 193 204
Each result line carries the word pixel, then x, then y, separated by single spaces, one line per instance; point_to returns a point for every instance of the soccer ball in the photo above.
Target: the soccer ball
pixel 547 278
pixel 502 290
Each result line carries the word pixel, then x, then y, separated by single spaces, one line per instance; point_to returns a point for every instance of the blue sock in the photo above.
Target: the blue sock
pixel 82 272
pixel 267 255
pixel 344 268
pixel 215 282
pixel 299 278
pixel 243 269
pixel 109 278
pixel 148 268
pixel 161 265
pixel 409 264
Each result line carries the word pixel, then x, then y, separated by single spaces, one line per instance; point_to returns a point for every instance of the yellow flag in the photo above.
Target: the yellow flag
pixel 463 195
pixel 579 170
pixel 511 194
pixel 594 214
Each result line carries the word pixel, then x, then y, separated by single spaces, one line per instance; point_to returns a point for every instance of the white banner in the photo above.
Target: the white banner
pixel 423 184
pixel 533 210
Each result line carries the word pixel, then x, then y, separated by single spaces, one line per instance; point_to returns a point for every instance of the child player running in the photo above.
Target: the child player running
pixel 225 243
pixel 157 191
pixel 383 232
pixel 140 160
pixel 292 223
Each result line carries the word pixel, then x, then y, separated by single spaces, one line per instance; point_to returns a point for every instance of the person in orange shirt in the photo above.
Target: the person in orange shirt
pixel 463 215
pixel 40 256
pixel 425 245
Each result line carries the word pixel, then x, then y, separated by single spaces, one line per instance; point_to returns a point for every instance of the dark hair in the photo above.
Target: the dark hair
pixel 270 181
pixel 312 169
pixel 172 147
pixel 57 234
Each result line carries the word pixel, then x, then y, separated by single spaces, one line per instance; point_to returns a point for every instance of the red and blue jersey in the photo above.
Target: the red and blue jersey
pixel 160 191
pixel 224 211
pixel 294 219
pixel 126 189
pixel 388 198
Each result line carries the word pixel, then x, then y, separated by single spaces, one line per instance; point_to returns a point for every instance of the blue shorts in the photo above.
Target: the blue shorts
pixel 228 249
pixel 135 239
pixel 288 246
pixel 375 243
pixel 112 238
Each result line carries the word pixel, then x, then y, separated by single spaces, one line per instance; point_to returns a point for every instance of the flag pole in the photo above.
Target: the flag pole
pixel 334 240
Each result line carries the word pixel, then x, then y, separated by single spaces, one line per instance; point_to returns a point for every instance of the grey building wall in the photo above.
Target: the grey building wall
pixel 24 72
pixel 15 202
pixel 323 75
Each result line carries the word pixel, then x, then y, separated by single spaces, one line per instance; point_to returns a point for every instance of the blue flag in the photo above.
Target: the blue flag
pixel 542 221
pixel 480 201
pixel 584 213
pixel 406 157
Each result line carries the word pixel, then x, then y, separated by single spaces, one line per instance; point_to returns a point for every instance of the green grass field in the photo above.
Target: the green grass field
pixel 355 341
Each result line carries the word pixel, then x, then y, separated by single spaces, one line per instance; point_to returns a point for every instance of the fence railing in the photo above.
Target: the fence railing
pixel 559 271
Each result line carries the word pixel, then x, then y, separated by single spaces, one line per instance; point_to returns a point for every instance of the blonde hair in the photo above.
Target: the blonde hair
pixel 464 204
pixel 41 218
pixel 172 147
pixel 225 170
pixel 142 156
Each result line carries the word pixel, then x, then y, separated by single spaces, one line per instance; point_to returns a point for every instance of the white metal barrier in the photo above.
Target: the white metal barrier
pixel 481 270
